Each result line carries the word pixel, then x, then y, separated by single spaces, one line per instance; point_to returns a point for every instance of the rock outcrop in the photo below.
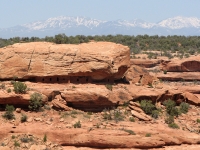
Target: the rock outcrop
pixel 48 62
pixel 17 99
pixel 140 75
pixel 191 64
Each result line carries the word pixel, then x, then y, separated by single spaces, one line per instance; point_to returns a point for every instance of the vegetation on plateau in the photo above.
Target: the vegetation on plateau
pixel 182 46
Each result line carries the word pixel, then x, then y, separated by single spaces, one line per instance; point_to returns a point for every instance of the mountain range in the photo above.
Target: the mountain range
pixel 71 26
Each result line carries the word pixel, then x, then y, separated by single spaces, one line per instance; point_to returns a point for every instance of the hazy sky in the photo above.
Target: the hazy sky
pixel 16 12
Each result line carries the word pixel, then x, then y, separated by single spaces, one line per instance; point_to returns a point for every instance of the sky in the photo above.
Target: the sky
pixel 17 12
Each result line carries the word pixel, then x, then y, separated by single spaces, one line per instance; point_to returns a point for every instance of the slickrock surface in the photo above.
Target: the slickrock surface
pixel 97 60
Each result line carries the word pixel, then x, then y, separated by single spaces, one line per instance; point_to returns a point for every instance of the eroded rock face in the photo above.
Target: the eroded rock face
pixel 136 74
pixel 94 60
pixel 190 64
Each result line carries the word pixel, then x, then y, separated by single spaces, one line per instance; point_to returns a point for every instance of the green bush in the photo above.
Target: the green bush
pixel 107 116
pixel 169 119
pixel 9 112
pixel 16 144
pixel 198 120
pixel 26 139
pixel 173 125
pixel 147 106
pixel 24 118
pixel 184 107
pixel 171 108
pixel 129 131
pixel 155 114
pixel 2 86
pixel 117 115
pixel 148 135
pixel 77 124
pixel 165 71
pixel 45 138
pixel 35 102
pixel 9 90
pixel 20 87
pixel 131 119
pixel 109 87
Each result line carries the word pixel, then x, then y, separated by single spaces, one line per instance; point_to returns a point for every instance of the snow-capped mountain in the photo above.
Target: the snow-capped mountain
pixel 63 22
pixel 180 22
pixel 86 26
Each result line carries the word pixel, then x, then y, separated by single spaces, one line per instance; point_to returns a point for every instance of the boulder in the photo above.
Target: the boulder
pixel 138 109
pixel 191 98
pixel 134 104
pixel 60 105
pixel 141 116
pixel 48 62
pixel 136 74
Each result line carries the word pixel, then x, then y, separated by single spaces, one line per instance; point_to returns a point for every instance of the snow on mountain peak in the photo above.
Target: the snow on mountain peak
pixel 63 22
pixel 180 22
pixel 136 23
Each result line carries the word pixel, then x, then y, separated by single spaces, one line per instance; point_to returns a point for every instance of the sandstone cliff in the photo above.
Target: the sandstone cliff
pixel 43 61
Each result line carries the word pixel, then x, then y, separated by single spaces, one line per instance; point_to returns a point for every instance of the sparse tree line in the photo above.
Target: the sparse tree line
pixel 165 44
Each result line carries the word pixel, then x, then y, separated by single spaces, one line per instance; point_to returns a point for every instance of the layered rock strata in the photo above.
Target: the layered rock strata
pixel 48 62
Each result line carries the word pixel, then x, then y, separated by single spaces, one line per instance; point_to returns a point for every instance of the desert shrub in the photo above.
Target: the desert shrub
pixel 165 71
pixel 184 107
pixel 173 125
pixel 147 106
pixel 114 114
pixel 117 115
pixel 47 107
pixel 9 112
pixel 13 136
pixel 35 102
pixel 16 144
pixel 198 120
pixel 2 86
pixel 171 108
pixel 125 104
pixel 74 112
pixel 131 119
pixel 148 135
pixel 109 87
pixel 9 90
pixel 129 131
pixel 175 112
pixel 26 139
pixel 45 138
pixel 155 114
pixel 107 116
pixel 20 87
pixel 77 124
pixel 24 118
pixel 150 85
pixel 169 119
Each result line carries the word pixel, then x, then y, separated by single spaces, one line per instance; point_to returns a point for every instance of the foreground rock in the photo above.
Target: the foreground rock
pixel 161 135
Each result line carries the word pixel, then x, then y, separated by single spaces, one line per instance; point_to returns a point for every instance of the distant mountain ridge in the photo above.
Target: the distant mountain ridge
pixel 187 26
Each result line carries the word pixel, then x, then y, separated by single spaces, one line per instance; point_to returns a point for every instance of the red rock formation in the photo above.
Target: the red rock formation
pixel 136 74
pixel 190 64
pixel 56 63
